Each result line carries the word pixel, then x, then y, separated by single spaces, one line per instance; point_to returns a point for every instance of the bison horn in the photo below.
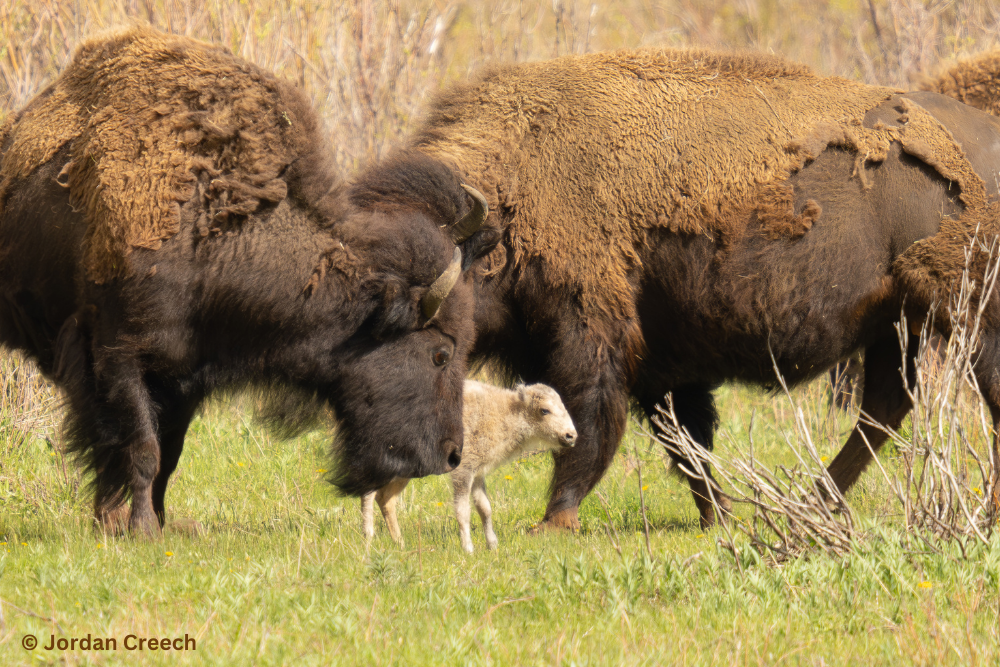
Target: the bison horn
pixel 471 223
pixel 442 286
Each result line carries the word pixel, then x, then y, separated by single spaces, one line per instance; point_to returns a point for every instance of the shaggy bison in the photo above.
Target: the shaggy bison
pixel 171 223
pixel 672 219
pixel 975 82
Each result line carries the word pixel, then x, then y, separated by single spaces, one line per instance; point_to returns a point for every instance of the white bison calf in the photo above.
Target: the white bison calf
pixel 500 425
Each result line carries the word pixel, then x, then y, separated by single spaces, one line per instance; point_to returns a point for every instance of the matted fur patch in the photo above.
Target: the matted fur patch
pixel 585 153
pixel 146 116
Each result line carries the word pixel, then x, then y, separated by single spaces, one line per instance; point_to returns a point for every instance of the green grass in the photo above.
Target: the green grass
pixel 282 574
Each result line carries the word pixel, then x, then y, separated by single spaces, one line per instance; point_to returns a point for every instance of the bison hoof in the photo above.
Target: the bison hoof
pixel 113 521
pixel 565 520
pixel 714 514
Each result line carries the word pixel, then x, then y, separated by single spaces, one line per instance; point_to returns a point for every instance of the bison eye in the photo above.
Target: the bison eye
pixel 546 411
pixel 441 357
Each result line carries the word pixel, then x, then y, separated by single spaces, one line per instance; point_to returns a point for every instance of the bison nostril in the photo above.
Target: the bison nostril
pixel 454 455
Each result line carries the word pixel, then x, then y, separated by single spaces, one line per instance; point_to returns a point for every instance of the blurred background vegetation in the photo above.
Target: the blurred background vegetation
pixel 370 66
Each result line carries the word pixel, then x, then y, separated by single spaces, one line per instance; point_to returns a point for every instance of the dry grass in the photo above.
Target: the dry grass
pixel 28 403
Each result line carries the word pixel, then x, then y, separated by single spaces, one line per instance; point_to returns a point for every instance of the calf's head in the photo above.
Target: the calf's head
pixel 399 379
pixel 552 424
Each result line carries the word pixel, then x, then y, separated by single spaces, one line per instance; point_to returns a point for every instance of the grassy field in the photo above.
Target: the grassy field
pixel 282 575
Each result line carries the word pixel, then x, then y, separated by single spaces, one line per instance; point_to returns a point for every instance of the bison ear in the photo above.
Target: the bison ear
pixel 479 245
pixel 397 310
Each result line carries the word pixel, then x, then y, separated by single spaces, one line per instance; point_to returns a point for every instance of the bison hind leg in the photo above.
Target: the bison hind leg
pixel 884 400
pixel 694 407
pixel 987 371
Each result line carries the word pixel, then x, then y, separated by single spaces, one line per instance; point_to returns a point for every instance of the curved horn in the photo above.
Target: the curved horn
pixel 471 223
pixel 442 286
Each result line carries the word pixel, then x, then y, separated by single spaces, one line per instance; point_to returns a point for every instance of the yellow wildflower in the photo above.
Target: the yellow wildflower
pixel 170 553
pixel 509 477
pixel 925 584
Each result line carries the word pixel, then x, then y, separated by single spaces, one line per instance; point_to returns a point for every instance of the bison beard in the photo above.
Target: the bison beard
pixel 246 262
pixel 655 242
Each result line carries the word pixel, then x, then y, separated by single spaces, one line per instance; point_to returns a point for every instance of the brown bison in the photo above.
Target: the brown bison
pixel 170 223
pixel 975 82
pixel 672 219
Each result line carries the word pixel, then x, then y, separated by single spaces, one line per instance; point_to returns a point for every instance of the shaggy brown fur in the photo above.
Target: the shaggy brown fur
pixel 635 138
pixel 932 267
pixel 171 226
pixel 145 116
pixel 677 219
pixel 975 82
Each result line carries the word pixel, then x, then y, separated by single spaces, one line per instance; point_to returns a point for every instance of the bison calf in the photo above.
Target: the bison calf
pixel 500 425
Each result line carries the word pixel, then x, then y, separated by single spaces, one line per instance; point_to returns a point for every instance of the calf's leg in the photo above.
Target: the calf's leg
pixel 987 371
pixel 482 502
pixel 368 515
pixel 462 486
pixel 386 498
pixel 176 413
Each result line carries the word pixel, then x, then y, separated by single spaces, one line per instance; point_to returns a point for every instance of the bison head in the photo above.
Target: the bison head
pixel 399 379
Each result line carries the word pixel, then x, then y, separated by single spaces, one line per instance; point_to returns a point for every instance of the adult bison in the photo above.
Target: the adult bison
pixel 672 219
pixel 170 223
pixel 975 81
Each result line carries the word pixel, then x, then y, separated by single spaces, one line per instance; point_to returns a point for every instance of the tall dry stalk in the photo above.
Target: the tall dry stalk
pixel 796 508
pixel 940 470
pixel 947 462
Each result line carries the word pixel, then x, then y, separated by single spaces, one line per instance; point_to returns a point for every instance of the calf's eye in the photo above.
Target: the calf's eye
pixel 545 411
pixel 441 357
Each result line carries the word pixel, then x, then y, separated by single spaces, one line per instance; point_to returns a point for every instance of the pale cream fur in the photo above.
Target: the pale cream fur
pixel 500 425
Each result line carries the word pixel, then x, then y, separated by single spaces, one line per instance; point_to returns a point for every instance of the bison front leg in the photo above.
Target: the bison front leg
pixel 117 431
pixel 111 512
pixel 885 402
pixel 591 378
